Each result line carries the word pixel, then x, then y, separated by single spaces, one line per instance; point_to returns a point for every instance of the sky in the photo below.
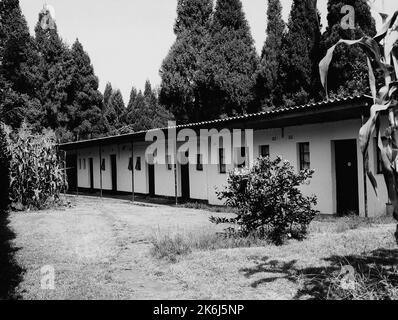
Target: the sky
pixel 127 40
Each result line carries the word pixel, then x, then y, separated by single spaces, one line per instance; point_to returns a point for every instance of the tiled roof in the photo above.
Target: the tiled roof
pixel 263 114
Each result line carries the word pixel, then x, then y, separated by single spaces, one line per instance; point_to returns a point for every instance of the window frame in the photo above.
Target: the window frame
pixel 261 150
pixel 199 162
pixel 222 167
pixel 304 165
pixel 168 163
pixel 239 155
pixel 138 166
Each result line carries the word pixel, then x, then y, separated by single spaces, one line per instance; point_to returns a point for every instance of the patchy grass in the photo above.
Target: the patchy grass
pixel 103 249
pixel 207 207
pixel 173 246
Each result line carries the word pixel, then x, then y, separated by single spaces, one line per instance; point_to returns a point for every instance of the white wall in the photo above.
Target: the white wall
pixel 204 184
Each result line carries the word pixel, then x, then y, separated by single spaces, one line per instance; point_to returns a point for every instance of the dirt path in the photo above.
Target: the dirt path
pixel 100 249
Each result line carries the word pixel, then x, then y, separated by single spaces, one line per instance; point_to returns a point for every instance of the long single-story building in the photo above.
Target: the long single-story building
pixel 322 136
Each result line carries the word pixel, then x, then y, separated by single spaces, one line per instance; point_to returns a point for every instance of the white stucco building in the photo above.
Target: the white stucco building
pixel 322 136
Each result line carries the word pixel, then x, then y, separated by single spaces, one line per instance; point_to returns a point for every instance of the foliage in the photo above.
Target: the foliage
pixel 348 71
pixel 268 84
pixel 37 177
pixel 300 54
pixel 226 75
pixel 382 56
pixel 19 66
pixel 269 201
pixel 5 159
pixel 115 111
pixel 144 112
pixel 107 96
pixel 179 91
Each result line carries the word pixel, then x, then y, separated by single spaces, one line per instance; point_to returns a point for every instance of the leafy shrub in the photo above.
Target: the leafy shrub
pixel 268 201
pixel 37 178
pixel 5 159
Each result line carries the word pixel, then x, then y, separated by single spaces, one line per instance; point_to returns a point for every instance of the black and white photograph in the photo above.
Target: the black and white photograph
pixel 198 155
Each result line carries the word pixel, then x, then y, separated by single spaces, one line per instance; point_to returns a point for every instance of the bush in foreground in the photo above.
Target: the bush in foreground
pixel 268 201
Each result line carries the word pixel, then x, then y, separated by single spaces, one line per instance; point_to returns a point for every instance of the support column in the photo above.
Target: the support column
pixel 132 173
pixel 100 168
pixel 175 169
pixel 77 173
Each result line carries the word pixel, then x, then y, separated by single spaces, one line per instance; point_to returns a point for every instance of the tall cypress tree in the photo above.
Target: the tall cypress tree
pixel 145 112
pixel 301 53
pixel 269 90
pixel 348 71
pixel 56 67
pixel 19 66
pixel 179 92
pixel 107 94
pixel 133 97
pixel 86 98
pixel 5 159
pixel 115 111
pixel 229 63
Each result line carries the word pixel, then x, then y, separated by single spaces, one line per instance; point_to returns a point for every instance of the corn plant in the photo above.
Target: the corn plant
pixel 382 57
pixel 37 177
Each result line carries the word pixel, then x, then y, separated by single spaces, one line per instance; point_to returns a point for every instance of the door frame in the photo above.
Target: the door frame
pixel 113 167
pixel 151 179
pixel 185 182
pixel 336 191
pixel 91 173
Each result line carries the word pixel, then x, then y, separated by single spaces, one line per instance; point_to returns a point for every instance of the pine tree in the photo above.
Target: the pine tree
pixel 107 94
pixel 86 98
pixel 145 112
pixel 301 54
pixel 5 159
pixel 19 61
pixel 268 87
pixel 227 69
pixel 133 97
pixel 115 111
pixel 348 71
pixel 179 92
pixel 56 67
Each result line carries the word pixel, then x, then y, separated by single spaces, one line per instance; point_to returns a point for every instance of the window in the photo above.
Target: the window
pixel 304 153
pixel 221 158
pixel 379 167
pixel 138 164
pixel 264 151
pixel 84 164
pixel 168 163
pixel 103 165
pixel 241 157
pixel 80 164
pixel 199 162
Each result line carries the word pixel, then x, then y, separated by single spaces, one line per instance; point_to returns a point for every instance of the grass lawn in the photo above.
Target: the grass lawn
pixel 101 249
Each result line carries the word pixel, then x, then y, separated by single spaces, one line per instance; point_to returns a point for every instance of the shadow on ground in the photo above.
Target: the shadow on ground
pixel 316 282
pixel 10 271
